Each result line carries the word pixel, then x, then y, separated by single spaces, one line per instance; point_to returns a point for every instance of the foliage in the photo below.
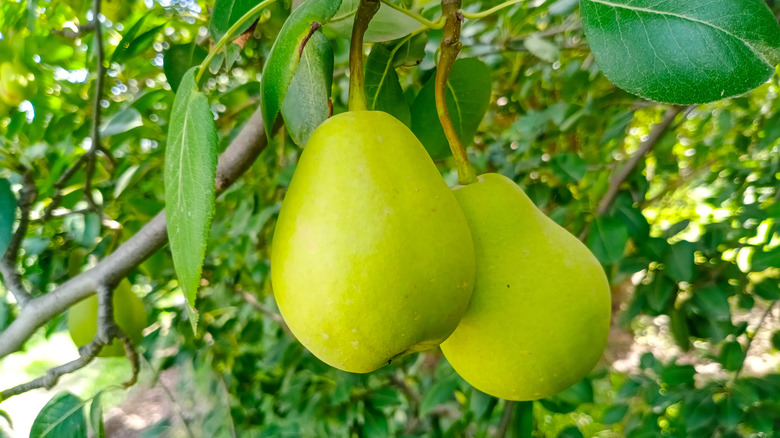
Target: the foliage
pixel 690 243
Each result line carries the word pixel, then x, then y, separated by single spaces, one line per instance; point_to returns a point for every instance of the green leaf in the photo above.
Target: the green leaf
pixel 568 167
pixel 678 263
pixel 731 356
pixel 567 400
pixel 283 60
pixel 698 410
pixel 679 327
pixel 306 105
pixel 607 239
pixel 190 169
pixel 4 415
pixel 387 24
pixel 659 293
pixel 383 91
pixel 768 289
pixel 776 340
pixel 468 95
pixel 711 303
pixel 542 48
pixel 376 424
pixel 674 375
pixel 571 432
pixel 178 59
pixel 129 36
pixel 121 121
pixel 133 44
pixel 62 417
pixel 615 413
pixel 523 419
pixel 7 214
pixel 683 51
pixel 226 13
pixel 762 260
pixel 96 416
pixel 676 228
pixel 441 392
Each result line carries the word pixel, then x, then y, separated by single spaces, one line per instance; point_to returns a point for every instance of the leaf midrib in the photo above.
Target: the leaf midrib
pixel 684 17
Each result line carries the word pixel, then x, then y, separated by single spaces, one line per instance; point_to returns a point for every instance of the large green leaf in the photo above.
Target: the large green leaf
pixel 190 169
pixel 683 51
pixel 285 55
pixel 226 13
pixel 387 24
pixel 468 96
pixel 179 59
pixel 762 260
pixel 383 91
pixel 306 104
pixel 712 303
pixel 7 214
pixel 678 263
pixel 62 417
pixel 607 239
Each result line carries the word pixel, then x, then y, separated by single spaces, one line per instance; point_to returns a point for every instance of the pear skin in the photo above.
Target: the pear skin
pixel 129 315
pixel 372 257
pixel 539 316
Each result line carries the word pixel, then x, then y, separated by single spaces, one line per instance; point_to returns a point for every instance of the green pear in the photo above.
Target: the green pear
pixel 539 315
pixel 372 257
pixel 129 315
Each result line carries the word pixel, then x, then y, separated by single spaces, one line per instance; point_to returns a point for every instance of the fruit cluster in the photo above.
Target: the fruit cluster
pixel 374 258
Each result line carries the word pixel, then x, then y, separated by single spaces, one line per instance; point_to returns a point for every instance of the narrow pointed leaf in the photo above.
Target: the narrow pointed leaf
pixel 190 169
pixel 285 55
pixel 683 51
pixel 306 103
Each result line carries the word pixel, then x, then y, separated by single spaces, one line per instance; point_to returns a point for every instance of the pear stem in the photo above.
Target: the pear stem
pixel 357 91
pixel 450 47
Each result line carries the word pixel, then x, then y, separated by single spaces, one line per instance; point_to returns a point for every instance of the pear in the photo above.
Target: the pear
pixel 129 315
pixel 539 315
pixel 372 257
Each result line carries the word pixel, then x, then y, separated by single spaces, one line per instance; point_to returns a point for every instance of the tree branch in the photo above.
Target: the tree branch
pixel 622 175
pixel 11 277
pixel 238 157
pixel 107 331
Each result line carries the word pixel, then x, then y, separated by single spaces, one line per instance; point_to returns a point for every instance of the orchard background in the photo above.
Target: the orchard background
pixel 679 204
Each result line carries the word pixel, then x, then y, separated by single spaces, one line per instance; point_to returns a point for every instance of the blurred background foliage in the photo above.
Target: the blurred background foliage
pixel 691 243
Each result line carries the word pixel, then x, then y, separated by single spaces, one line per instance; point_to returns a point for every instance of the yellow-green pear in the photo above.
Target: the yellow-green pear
pixel 129 315
pixel 539 315
pixel 372 257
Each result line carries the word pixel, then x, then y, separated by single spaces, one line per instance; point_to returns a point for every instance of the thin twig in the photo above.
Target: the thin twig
pixel 80 30
pixel 88 158
pixel 506 417
pixel 414 402
pixel 252 301
pixel 11 277
pixel 97 109
pixel 751 338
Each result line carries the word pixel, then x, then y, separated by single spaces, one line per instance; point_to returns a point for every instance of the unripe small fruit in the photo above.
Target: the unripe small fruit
pixel 129 315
